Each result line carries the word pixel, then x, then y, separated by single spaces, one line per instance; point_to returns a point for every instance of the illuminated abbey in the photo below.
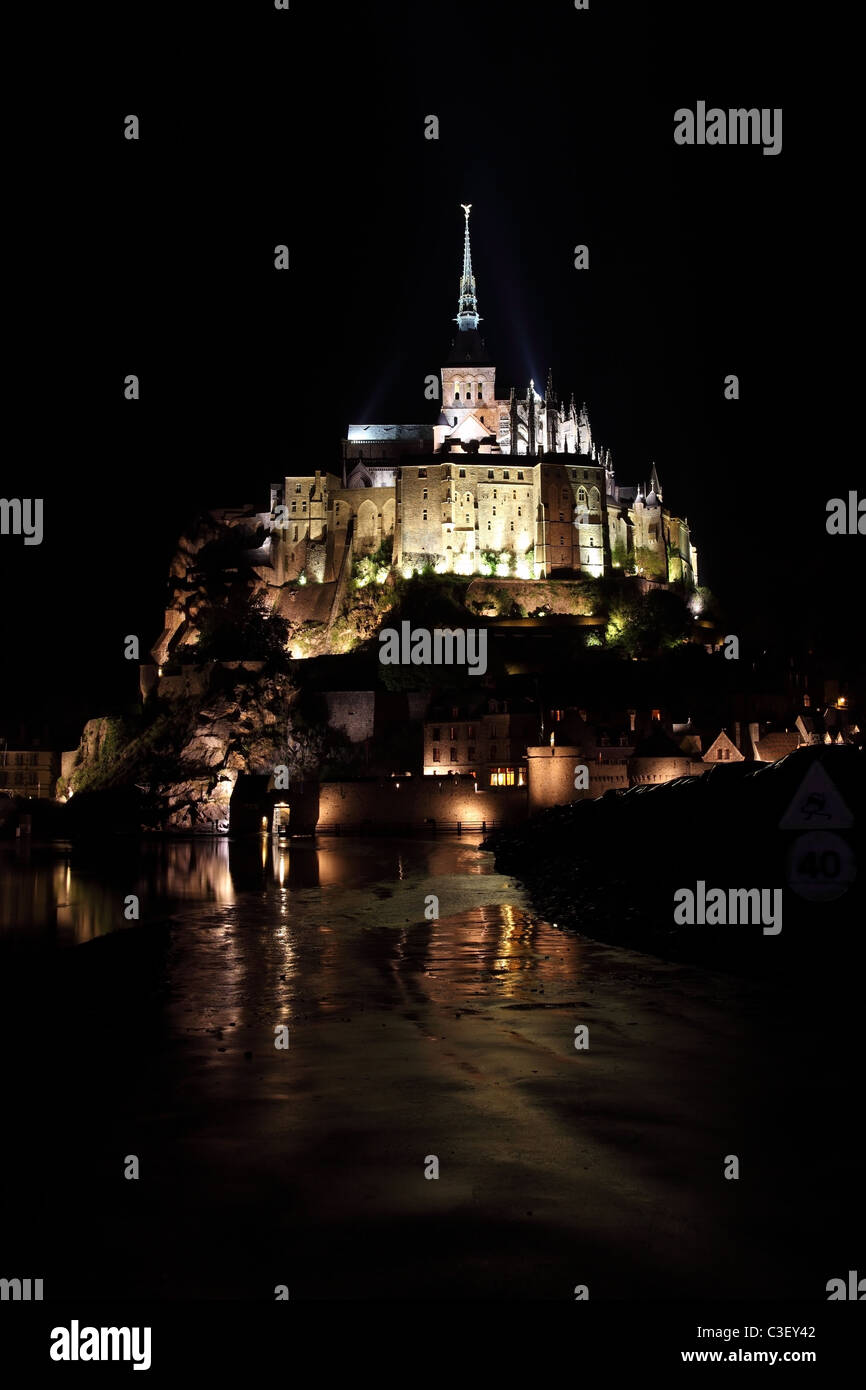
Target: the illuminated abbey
pixel 513 484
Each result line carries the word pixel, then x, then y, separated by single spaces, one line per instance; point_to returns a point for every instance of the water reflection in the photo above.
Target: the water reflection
pixel 68 894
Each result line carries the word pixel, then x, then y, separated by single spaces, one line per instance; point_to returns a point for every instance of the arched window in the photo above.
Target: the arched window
pixel 581 496
pixel 480 395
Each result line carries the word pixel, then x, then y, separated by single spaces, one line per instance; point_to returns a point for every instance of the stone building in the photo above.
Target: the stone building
pixel 28 771
pixel 513 484
pixel 483 739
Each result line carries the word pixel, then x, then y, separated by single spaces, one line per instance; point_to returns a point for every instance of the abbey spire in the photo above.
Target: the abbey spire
pixel 468 347
pixel 467 304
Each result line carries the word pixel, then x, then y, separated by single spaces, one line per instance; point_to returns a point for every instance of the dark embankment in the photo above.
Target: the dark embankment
pixel 609 868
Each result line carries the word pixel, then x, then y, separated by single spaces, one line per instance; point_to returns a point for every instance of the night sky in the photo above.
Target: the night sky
pixel 307 128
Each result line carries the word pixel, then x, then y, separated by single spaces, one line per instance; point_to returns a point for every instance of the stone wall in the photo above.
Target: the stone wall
pixel 352 711
pixel 413 801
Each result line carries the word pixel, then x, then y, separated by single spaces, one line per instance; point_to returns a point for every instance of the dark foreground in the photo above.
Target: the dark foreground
pixel 450 1038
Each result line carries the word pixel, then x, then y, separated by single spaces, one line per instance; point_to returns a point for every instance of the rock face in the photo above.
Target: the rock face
pixel 186 756
pixel 199 805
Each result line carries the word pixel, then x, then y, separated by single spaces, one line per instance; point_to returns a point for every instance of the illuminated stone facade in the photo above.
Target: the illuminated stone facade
pixel 512 485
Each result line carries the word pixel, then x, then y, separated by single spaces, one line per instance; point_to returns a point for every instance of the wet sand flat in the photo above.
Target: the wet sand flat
pixel 450 1039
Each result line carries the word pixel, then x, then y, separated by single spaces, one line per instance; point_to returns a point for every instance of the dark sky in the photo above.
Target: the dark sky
pixel 307 127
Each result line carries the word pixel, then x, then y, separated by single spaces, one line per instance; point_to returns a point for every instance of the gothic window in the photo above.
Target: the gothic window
pixel 581 495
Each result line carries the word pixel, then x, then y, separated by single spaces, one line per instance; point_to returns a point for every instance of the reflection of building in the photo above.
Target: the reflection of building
pixel 28 771
pixel 484 739
pixel 516 483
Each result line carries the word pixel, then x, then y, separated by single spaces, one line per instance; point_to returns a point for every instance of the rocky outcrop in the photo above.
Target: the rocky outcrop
pixel 184 756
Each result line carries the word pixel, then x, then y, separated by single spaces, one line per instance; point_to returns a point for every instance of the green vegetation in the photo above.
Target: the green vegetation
pixel 644 626
pixel 241 630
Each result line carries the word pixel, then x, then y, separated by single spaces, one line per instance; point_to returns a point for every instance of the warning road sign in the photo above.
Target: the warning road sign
pixel 817 804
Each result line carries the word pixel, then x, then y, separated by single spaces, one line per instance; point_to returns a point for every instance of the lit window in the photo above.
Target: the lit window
pixel 453 733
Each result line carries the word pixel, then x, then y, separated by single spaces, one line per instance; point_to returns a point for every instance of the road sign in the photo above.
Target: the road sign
pixel 821 866
pixel 817 804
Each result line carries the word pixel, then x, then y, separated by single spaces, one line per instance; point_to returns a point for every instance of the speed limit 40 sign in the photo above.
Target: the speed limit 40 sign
pixel 821 866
